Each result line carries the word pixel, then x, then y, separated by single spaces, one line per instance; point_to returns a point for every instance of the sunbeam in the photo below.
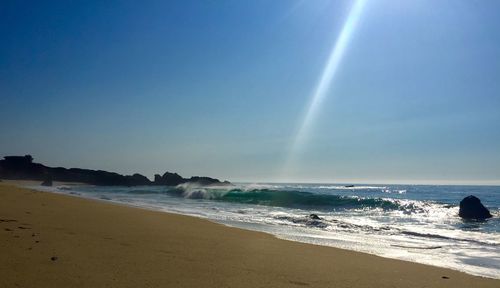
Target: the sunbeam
pixel 323 86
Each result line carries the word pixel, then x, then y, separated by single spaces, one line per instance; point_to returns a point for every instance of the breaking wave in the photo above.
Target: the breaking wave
pixel 295 199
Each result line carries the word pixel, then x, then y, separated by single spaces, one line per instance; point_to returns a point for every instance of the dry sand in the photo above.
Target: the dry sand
pixel 51 240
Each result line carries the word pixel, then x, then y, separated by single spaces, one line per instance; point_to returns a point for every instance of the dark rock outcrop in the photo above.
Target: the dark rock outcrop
pixel 157 178
pixel 47 181
pixel 23 168
pixel 314 217
pixel 169 179
pixel 174 179
pixel 137 180
pixel 472 208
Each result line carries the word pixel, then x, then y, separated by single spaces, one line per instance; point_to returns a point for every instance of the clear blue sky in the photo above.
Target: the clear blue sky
pixel 219 88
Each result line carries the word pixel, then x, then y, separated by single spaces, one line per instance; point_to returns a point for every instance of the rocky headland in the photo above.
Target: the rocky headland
pixel 23 168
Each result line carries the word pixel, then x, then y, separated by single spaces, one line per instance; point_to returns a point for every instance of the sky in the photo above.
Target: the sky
pixel 221 89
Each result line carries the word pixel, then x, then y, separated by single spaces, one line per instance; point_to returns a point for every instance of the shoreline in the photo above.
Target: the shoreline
pixel 414 252
pixel 120 245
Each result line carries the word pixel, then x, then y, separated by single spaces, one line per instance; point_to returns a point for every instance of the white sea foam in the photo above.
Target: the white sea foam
pixel 348 187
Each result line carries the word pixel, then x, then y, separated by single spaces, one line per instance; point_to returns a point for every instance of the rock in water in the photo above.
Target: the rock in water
pixel 314 217
pixel 472 208
pixel 47 181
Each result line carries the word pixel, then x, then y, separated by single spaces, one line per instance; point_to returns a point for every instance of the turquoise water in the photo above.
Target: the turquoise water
pixel 417 223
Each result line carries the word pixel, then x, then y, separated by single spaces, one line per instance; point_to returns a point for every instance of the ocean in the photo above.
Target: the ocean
pixel 417 223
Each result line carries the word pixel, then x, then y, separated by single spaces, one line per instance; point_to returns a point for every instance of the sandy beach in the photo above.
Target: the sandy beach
pixel 51 240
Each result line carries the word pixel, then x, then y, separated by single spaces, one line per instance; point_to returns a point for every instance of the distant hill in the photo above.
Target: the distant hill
pixel 23 168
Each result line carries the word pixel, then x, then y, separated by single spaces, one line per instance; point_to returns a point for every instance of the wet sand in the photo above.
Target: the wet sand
pixel 51 240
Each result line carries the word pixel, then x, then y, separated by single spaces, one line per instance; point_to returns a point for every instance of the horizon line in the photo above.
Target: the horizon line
pixel 385 182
